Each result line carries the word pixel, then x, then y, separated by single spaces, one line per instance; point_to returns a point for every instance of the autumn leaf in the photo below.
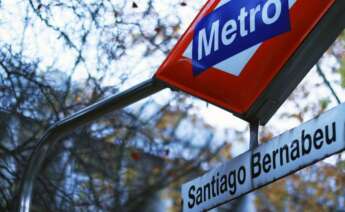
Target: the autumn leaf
pixel 130 175
pixel 266 137
pixel 324 103
pixel 135 155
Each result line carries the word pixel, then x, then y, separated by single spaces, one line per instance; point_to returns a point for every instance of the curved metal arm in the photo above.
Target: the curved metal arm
pixel 67 125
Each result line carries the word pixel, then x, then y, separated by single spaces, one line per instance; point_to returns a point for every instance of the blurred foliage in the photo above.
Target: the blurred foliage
pixel 342 71
pixel 317 188
pixel 341 59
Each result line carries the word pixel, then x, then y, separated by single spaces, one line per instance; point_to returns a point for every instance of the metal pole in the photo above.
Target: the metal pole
pixel 254 134
pixel 67 125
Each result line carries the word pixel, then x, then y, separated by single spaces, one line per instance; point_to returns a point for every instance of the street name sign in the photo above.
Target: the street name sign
pixel 247 56
pixel 285 154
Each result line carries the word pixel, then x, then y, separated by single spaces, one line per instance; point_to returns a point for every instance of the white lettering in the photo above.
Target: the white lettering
pixel 242 20
pixel 277 11
pixel 252 16
pixel 209 38
pixel 213 41
pixel 230 27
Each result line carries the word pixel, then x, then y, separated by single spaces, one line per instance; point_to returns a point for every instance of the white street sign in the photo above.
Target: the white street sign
pixel 283 155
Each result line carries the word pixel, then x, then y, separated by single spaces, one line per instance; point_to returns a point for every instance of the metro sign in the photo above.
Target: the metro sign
pixel 229 34
pixel 247 56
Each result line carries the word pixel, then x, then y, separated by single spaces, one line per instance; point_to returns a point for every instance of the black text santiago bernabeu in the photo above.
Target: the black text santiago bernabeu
pixel 262 163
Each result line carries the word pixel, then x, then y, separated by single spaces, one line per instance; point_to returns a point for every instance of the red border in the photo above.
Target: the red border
pixel 233 93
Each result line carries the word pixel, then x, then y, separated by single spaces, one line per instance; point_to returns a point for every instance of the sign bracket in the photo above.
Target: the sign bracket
pixel 254 134
pixel 71 123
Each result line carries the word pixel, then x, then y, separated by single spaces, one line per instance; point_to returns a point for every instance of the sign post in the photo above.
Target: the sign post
pixel 283 155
